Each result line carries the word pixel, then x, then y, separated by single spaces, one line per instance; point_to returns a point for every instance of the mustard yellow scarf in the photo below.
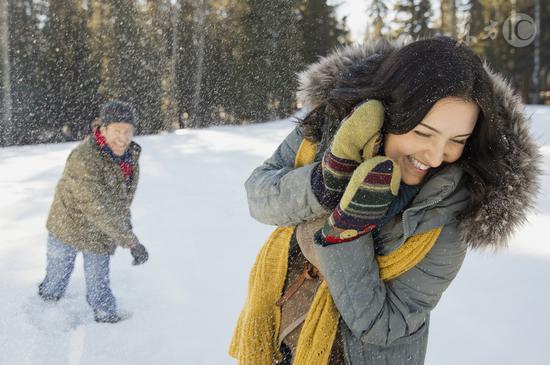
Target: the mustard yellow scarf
pixel 255 337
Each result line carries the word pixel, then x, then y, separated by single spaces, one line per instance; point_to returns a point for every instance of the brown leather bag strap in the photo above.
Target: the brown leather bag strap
pixel 310 272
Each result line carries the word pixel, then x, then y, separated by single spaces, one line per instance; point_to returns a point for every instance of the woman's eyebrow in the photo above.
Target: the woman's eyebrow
pixel 438 132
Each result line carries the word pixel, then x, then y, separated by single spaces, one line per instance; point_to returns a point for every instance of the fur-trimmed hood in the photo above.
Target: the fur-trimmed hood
pixel 504 207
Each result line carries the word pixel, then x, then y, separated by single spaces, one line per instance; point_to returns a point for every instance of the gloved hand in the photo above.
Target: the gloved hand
pixel 371 189
pixel 139 253
pixel 357 139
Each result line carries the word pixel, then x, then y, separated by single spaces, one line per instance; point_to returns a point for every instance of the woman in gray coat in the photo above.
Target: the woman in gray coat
pixel 468 164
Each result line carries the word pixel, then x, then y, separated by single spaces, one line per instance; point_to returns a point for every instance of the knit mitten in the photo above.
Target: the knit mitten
pixel 371 189
pixel 357 139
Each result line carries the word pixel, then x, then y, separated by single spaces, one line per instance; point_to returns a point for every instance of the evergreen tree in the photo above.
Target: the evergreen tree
pixel 413 17
pixel 377 12
pixel 255 49
pixel 71 87
pixel 320 28
pixel 269 54
pixel 285 59
pixel 219 84
pixel 131 66
pixel 29 120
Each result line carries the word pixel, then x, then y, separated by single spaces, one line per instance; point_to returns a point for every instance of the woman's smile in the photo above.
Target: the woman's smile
pixel 416 166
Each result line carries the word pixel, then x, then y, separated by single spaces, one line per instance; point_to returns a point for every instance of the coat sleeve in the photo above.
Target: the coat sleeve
pixel 279 194
pixel 95 202
pixel 381 312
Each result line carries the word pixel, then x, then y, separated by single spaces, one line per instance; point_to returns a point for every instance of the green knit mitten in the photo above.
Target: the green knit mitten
pixel 371 189
pixel 357 139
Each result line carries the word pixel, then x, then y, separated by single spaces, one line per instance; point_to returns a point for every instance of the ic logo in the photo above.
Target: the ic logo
pixel 519 30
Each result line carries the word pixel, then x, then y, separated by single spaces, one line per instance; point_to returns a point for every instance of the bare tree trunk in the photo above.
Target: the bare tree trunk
pixel 174 120
pixel 197 114
pixel 6 128
pixel 448 17
pixel 536 57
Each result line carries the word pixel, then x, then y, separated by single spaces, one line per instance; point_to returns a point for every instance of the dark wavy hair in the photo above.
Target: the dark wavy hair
pixel 409 81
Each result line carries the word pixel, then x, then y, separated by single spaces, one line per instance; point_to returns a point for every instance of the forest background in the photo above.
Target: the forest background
pixel 197 63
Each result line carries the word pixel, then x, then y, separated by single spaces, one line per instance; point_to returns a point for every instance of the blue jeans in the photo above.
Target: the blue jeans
pixel 60 265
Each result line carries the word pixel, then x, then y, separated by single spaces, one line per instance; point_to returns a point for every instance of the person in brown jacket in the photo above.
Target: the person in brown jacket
pixel 91 211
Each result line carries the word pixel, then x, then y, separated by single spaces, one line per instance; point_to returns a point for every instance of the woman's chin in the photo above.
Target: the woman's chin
pixel 411 180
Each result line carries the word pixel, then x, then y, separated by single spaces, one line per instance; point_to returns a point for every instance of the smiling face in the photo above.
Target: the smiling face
pixel 439 138
pixel 118 136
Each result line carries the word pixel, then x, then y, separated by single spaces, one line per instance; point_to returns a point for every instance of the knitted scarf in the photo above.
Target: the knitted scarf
pixel 254 340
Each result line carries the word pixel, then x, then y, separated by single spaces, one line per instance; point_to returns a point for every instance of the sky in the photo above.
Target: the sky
pixel 356 12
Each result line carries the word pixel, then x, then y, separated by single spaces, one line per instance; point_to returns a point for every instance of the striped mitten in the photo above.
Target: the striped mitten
pixel 370 191
pixel 357 139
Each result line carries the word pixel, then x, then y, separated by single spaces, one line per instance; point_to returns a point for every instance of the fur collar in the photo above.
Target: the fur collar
pixel 505 207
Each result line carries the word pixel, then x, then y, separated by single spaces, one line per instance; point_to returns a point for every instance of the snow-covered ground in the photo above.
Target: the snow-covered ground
pixel 190 211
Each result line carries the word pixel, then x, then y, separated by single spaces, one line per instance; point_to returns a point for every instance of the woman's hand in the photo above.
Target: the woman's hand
pixel 357 139
pixel 371 189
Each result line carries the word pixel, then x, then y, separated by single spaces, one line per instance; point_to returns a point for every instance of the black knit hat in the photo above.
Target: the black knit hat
pixel 115 111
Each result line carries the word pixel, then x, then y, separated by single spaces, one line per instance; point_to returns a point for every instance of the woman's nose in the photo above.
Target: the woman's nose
pixel 435 156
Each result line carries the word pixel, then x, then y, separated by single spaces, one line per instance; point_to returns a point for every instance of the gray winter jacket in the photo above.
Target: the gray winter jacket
pixel 387 322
